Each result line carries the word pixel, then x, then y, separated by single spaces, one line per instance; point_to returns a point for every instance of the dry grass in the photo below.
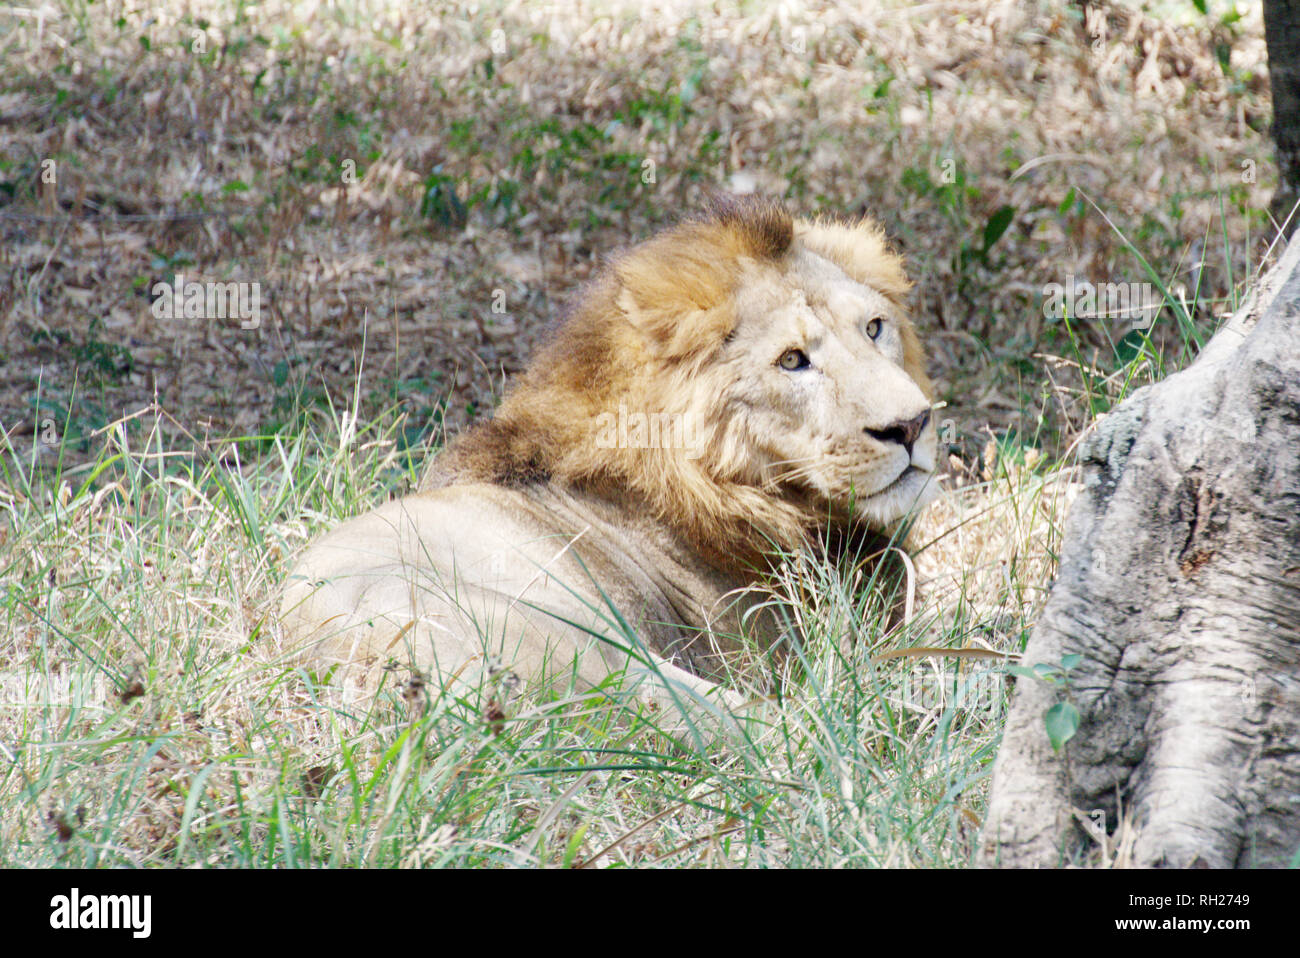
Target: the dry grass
pixel 506 149
pixel 153 717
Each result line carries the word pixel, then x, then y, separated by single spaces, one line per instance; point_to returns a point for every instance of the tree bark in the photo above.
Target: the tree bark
pixel 1180 587
pixel 1282 36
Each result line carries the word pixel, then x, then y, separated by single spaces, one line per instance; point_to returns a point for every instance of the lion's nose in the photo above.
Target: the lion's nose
pixel 904 432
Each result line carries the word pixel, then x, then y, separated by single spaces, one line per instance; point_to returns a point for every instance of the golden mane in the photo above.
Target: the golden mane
pixel 637 337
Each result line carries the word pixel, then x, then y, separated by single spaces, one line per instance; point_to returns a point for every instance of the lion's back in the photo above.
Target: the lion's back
pixel 455 579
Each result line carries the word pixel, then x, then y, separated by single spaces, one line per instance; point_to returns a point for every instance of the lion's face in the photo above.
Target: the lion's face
pixel 816 396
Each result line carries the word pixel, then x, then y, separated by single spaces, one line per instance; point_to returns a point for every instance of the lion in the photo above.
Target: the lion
pixel 737 388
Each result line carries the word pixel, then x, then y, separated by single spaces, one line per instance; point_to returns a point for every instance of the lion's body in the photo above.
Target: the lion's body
pixel 521 579
pixel 733 387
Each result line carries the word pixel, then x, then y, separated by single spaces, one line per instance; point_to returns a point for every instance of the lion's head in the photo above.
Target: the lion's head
pixel 746 377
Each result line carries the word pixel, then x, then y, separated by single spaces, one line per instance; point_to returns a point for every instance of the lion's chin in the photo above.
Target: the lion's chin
pixel 913 490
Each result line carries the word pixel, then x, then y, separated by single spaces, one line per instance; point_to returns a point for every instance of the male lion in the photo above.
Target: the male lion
pixel 738 386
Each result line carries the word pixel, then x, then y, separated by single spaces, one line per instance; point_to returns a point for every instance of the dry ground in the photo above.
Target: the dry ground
pixel 507 147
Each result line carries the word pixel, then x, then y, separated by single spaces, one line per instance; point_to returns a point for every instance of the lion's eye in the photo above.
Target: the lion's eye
pixel 793 359
pixel 874 327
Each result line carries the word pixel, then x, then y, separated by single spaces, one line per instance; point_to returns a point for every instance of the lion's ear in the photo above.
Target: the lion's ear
pixel 680 313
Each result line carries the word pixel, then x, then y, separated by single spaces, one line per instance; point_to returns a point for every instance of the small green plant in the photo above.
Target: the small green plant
pixel 440 201
pixel 996 226
pixel 1062 719
pixel 955 196
pixel 99 360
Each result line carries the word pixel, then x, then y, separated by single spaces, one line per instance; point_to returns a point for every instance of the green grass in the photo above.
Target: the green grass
pixel 152 716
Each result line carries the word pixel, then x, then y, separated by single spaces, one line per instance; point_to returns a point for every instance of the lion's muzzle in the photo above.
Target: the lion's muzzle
pixel 904 432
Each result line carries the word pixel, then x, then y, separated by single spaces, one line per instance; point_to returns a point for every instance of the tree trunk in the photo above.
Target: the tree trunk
pixel 1282 35
pixel 1180 587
